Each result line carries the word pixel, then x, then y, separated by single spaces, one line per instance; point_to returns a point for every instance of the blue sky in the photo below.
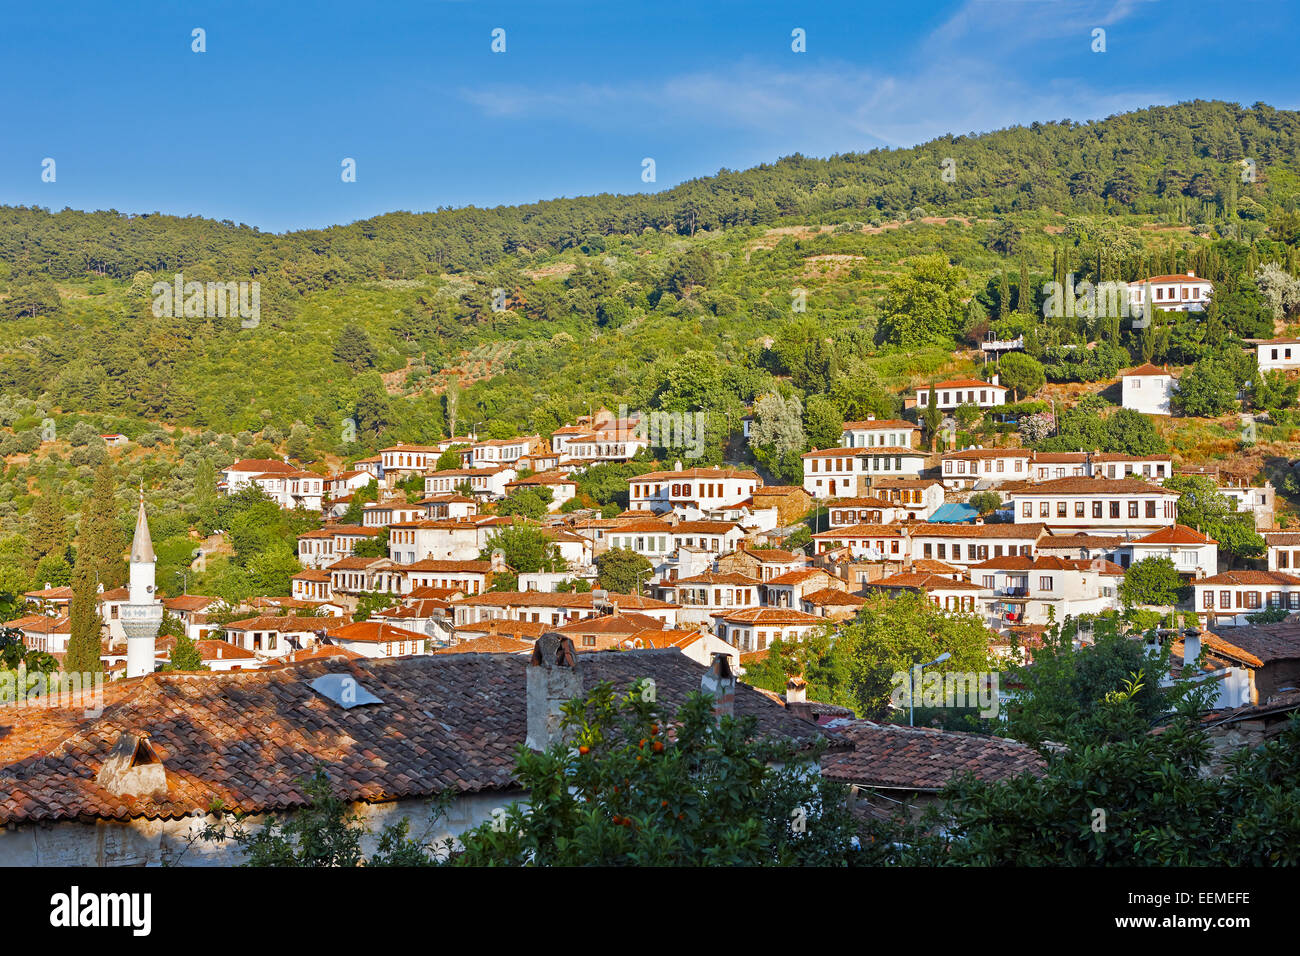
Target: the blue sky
pixel 254 130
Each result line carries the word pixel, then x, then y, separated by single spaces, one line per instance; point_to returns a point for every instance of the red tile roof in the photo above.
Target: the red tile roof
pixel 1177 534
pixel 890 756
pixel 251 738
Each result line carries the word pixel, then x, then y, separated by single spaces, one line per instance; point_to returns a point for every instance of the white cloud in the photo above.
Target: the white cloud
pixel 970 74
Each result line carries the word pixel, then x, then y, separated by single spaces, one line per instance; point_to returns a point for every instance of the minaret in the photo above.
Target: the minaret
pixel 142 615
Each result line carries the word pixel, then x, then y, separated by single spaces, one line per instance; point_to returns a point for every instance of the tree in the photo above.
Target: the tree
pixel 528 502
pixel 450 458
pixel 1203 507
pixel 622 570
pixel 777 438
pixel 1206 389
pixel 1021 373
pixel 49 534
pixel 185 655
pixel 626 793
pixel 82 656
pixel 822 422
pixel 100 536
pixel 932 418
pixel 1152 581
pixel 985 501
pixel 924 306
pixel 1064 689
pixel 526 548
pixel 353 348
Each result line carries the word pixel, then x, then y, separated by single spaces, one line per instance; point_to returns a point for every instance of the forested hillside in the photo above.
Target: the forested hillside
pixel 829 284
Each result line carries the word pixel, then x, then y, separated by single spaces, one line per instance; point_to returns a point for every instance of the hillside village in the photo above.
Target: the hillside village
pixel 714 560
pixel 747 447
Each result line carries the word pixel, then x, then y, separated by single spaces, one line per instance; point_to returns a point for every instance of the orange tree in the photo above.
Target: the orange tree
pixel 634 787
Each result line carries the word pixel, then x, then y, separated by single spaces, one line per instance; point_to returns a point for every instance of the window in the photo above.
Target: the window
pixel 1114 509
pixel 1252 599
pixel 1078 509
pixel 1132 509
pixel 1060 509
pixel 1207 599
pixel 1045 583
pixel 1044 509
pixel 1096 509
pixel 1028 509
pixel 1151 509
pixel 988 581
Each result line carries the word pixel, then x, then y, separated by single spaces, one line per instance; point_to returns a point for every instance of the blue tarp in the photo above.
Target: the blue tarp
pixel 956 513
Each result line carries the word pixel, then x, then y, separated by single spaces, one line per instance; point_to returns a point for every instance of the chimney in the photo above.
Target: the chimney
pixel 994 379
pixel 720 683
pixel 132 768
pixel 498 561
pixel 678 465
pixel 796 690
pixel 1191 646
pixel 553 678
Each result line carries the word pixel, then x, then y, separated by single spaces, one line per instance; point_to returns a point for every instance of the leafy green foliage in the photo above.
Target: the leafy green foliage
pixel 640 787
pixel 1153 581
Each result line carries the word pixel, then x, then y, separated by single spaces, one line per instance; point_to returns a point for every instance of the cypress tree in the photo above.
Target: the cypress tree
pixel 49 533
pixel 83 644
pixel 1024 295
pixel 100 535
pixel 1004 296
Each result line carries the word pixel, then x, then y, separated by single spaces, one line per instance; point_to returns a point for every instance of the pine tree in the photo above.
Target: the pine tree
pixel 83 644
pixel 49 532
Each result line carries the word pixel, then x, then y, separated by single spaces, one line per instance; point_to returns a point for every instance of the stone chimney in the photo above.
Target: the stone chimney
pixel 498 561
pixel 553 677
pixel 720 683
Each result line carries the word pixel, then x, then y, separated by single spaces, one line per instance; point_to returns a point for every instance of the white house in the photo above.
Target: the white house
pixel 841 472
pixel 963 391
pixel 755 628
pixel 712 592
pixel 1022 590
pixel 962 545
pixel 241 474
pixel 1173 293
pixel 918 497
pixel 498 451
pixel 1193 553
pixel 878 433
pixel 691 491
pixel 1147 389
pixel 1227 598
pixel 1086 504
pixel 487 482
pixel 1278 354
pixel 401 461
pixel 1283 551
pixel 963 469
